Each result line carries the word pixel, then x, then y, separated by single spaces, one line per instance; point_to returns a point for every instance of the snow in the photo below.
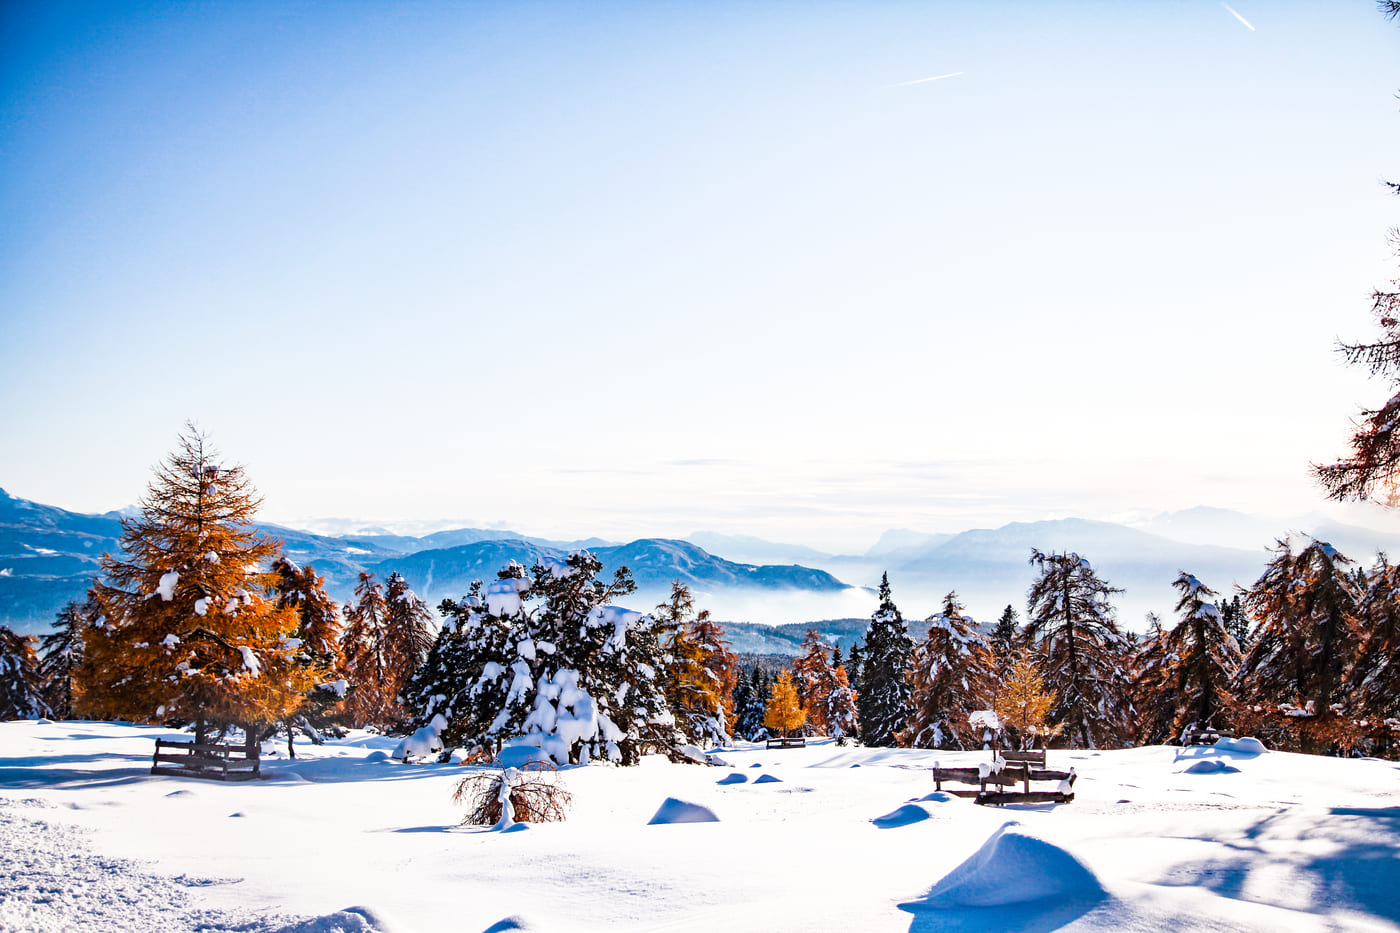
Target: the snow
pixel 166 586
pixel 250 660
pixel 89 839
pixel 682 811
pixel 1014 866
pixel 984 718
pixel 504 598
pixel 201 606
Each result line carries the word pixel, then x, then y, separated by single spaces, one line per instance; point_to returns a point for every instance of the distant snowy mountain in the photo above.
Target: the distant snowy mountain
pixel 49 556
pixel 654 563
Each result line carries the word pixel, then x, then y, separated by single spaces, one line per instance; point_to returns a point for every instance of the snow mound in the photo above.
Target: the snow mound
pixel 906 815
pixel 735 778
pixel 518 756
pixel 349 920
pixel 180 793
pixel 940 796
pixel 1015 867
pixel 377 755
pixel 514 923
pixel 1247 745
pixel 682 811
pixel 1209 766
pixel 767 779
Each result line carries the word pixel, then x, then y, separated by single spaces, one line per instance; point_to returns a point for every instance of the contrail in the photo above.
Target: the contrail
pixel 938 77
pixel 1237 16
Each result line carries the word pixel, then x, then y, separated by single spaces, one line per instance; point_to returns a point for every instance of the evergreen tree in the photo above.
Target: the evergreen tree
pixel 1236 621
pixel 785 713
pixel 1373 680
pixel 1003 640
pixel 21 685
pixel 1084 655
pixel 409 623
pixel 549 662
pixel 883 693
pixel 186 627
pixel 855 663
pixel 302 591
pixel 62 653
pixel 370 662
pixel 749 721
pixel 1201 659
pixel 1306 637
pixel 951 676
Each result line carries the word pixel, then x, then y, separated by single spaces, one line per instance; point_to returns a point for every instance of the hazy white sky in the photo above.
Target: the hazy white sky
pixel 633 268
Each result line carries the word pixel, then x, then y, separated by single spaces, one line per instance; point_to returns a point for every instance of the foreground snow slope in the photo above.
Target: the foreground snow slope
pixel 835 839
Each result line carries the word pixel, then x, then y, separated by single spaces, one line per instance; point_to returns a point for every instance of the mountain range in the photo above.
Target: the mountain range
pixel 49 556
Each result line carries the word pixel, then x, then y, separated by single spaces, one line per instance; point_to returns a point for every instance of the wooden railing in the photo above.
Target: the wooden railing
pixel 213 762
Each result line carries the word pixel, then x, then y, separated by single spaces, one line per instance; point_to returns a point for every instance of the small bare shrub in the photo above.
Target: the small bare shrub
pixel 536 795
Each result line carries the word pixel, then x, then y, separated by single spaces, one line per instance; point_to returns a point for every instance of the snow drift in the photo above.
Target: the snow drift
pixel 1015 867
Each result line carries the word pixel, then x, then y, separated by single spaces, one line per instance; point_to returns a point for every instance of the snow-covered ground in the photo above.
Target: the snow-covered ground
pixel 836 839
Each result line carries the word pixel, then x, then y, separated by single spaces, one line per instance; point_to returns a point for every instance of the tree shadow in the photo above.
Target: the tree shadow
pixel 1360 872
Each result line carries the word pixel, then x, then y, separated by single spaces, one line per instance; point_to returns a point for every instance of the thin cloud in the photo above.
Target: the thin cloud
pixel 1237 16
pixel 941 77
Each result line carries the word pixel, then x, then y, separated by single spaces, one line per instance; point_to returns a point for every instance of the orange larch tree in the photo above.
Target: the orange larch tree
pixel 186 627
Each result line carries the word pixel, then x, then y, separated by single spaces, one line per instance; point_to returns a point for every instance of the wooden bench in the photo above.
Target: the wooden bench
pixel 992 786
pixel 1203 735
pixel 1034 756
pixel 212 762
pixel 788 741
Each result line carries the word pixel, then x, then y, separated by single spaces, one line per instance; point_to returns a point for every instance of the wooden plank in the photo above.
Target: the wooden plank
pixel 1035 796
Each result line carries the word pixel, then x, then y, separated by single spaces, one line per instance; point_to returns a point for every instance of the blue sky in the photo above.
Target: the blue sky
pixel 630 268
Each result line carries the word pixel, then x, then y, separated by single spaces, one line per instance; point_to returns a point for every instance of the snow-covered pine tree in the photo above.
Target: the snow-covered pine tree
pixel 302 591
pixel 369 654
pixel 1200 660
pixel 1373 680
pixel 883 692
pixel 546 660
pixel 785 714
pixel 61 652
pixel 701 674
pixel 186 627
pixel 1084 656
pixel 1306 636
pixel 21 685
pixel 951 676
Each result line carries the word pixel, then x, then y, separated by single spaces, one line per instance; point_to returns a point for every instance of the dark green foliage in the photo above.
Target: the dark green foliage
pixel 62 654
pixel 1003 640
pixel 882 693
pixel 21 686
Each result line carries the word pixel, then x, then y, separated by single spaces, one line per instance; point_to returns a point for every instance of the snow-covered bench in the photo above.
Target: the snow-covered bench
pixel 1203 735
pixel 215 762
pixel 992 782
pixel 788 741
